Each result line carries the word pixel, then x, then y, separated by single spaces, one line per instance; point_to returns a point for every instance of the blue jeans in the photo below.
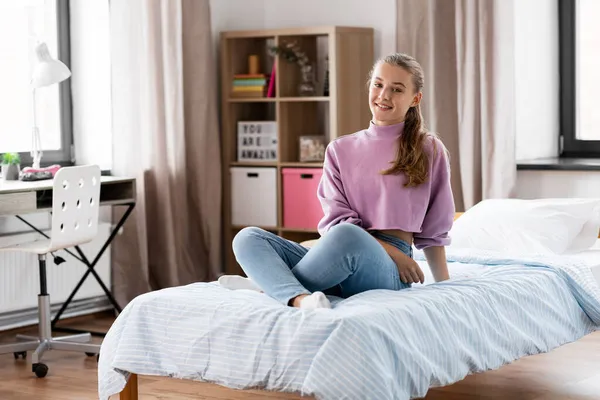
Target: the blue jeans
pixel 346 261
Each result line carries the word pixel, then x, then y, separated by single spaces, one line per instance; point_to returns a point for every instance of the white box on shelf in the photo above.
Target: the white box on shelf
pixel 257 141
pixel 254 196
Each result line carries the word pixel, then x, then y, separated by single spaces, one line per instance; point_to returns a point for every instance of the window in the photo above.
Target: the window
pixel 579 41
pixel 22 24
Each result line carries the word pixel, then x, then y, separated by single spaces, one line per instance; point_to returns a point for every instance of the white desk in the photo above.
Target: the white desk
pixel 18 198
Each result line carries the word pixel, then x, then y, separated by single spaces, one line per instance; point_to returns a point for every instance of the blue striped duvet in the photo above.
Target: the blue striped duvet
pixel 376 345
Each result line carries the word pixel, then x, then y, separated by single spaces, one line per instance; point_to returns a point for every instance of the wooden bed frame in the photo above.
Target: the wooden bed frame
pixel 130 392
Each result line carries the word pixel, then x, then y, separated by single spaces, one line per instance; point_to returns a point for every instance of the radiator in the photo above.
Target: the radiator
pixel 19 275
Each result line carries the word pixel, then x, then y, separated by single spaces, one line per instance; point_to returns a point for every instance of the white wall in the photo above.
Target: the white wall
pixel 270 14
pixel 536 52
pixel 90 82
pixel 536 75
pixel 552 184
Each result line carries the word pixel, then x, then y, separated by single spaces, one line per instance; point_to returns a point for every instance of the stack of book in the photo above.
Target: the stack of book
pixel 249 85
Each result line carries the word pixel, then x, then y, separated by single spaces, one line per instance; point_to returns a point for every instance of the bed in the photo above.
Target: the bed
pixel 379 344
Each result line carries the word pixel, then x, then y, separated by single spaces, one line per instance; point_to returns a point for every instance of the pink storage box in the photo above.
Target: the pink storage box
pixel 301 207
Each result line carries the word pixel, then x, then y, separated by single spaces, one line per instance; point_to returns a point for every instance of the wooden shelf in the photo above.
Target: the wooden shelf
pixel 275 99
pixel 290 164
pixel 298 230
pixel 251 99
pixel 307 98
pixel 266 228
pixel 275 229
pixel 302 164
pixel 350 55
pixel 252 164
pixel 299 31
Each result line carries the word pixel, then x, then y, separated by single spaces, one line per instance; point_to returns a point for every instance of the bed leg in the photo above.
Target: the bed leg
pixel 130 392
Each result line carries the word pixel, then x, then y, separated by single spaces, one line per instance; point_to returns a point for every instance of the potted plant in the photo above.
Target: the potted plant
pixel 292 53
pixel 11 166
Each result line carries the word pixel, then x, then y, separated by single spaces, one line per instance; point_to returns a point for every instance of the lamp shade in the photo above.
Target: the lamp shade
pixel 48 70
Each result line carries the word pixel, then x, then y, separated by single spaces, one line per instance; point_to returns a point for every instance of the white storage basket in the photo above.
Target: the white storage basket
pixel 254 196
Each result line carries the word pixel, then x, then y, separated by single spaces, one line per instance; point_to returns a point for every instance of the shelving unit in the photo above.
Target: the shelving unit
pixel 344 111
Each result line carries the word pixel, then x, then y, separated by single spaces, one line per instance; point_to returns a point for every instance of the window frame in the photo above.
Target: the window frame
pixel 64 156
pixel 569 145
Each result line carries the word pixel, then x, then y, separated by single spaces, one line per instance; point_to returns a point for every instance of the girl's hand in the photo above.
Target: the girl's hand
pixel 409 269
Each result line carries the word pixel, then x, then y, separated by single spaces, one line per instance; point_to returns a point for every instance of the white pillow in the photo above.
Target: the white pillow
pixel 529 227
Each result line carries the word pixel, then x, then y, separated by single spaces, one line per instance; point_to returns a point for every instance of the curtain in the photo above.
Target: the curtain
pixel 165 134
pixel 465 49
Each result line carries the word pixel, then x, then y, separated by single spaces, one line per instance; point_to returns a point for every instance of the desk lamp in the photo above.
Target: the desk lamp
pixel 48 71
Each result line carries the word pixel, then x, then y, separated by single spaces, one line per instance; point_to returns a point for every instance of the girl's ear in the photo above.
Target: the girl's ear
pixel 417 99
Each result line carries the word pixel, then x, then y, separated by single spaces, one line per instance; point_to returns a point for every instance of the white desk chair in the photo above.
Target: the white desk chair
pixel 75 200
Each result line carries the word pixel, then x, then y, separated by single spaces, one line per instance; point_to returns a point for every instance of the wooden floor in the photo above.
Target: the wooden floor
pixel 569 372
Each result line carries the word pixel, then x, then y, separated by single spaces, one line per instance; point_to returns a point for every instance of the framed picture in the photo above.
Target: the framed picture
pixel 312 148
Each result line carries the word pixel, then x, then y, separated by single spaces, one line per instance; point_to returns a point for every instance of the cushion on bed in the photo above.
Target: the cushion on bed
pixel 529 227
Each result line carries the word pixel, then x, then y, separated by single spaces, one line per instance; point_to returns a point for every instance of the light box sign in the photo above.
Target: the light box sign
pixel 257 141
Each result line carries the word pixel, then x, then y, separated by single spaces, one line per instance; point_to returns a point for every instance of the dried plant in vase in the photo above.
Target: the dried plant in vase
pixel 11 165
pixel 292 53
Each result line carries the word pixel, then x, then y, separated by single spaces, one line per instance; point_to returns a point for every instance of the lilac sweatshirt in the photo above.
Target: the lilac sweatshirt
pixel 353 190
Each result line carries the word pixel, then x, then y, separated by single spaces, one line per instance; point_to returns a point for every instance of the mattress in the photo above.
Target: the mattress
pixel 378 344
pixel 589 259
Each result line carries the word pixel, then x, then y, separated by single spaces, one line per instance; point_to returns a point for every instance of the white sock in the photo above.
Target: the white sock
pixel 315 300
pixel 236 282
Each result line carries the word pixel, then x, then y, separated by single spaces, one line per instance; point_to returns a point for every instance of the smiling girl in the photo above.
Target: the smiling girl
pixel 383 190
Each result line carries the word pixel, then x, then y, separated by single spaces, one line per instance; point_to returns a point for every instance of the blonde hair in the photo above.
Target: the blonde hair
pixel 411 158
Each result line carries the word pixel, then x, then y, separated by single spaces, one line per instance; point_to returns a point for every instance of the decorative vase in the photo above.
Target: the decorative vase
pixel 307 86
pixel 10 172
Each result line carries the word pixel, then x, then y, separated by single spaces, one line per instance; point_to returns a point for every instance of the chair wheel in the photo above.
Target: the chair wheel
pixel 40 370
pixel 20 353
pixel 90 354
